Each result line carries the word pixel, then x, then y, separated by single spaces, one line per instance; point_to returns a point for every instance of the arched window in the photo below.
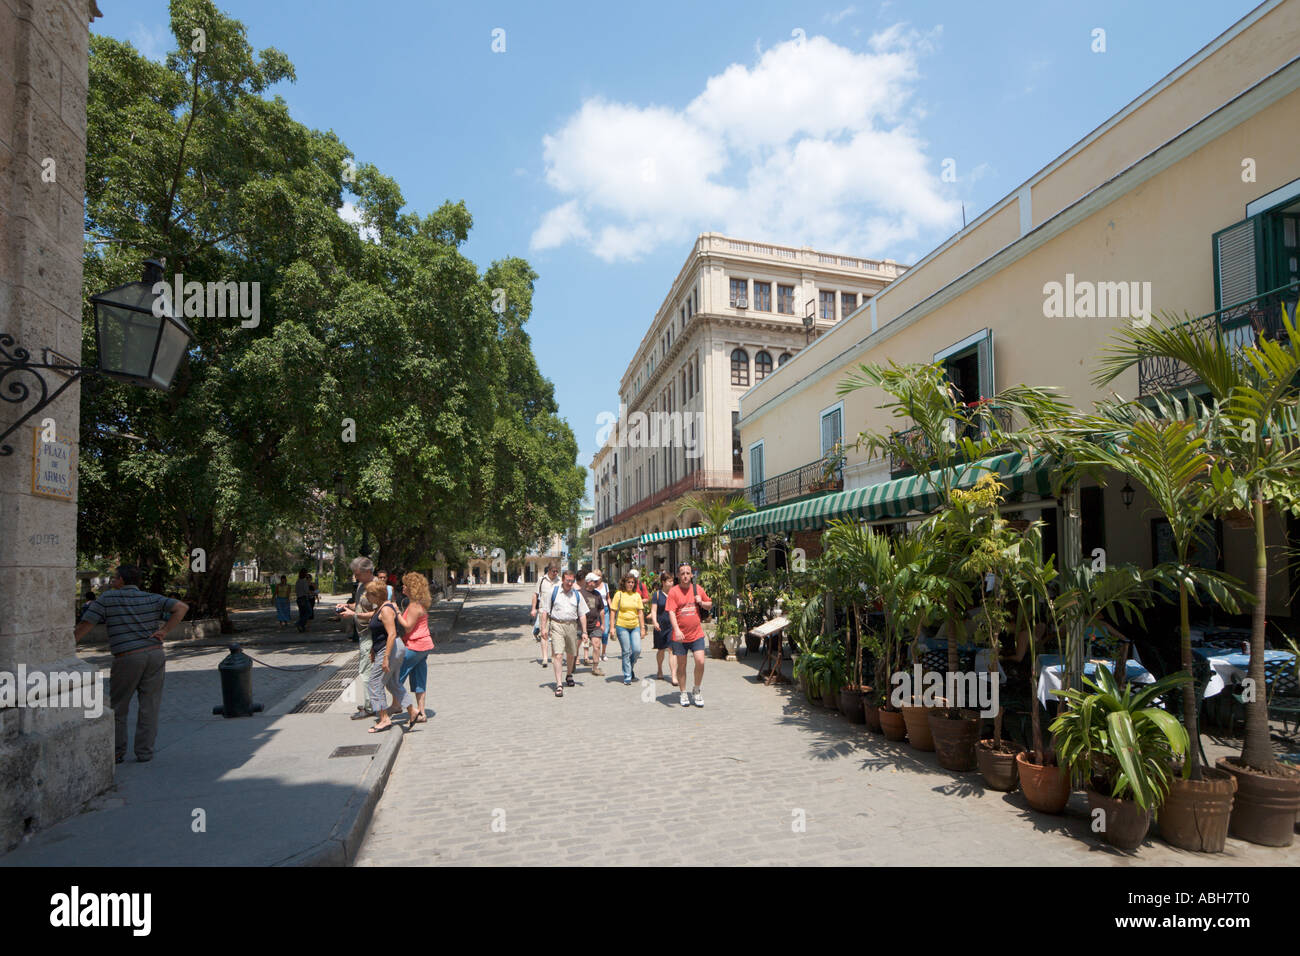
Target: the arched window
pixel 739 367
pixel 785 357
pixel 762 366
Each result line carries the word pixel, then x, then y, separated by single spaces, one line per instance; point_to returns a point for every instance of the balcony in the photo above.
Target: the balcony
pixel 809 479
pixel 696 481
pixel 918 448
pixel 1239 326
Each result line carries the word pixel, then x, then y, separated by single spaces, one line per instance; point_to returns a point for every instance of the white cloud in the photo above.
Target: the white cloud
pixel 835 18
pixel 350 213
pixel 153 42
pixel 812 144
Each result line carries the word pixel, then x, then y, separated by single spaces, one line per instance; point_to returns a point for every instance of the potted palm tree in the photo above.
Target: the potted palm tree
pixel 1254 396
pixel 1123 745
pixel 1164 448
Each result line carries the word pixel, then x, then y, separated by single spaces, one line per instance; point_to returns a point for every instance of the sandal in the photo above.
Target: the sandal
pixel 559 691
pixel 379 730
pixel 421 719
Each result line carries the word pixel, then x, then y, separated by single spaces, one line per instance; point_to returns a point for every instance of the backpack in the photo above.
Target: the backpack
pixel 704 615
pixel 577 599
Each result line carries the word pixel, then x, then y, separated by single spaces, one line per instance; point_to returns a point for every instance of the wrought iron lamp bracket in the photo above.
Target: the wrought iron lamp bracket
pixel 16 361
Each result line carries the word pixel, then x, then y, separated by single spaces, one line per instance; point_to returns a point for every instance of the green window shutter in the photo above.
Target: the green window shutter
pixel 1236 265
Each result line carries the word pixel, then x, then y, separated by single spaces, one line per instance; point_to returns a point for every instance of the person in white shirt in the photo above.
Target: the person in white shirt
pixel 563 613
pixel 603 588
pixel 544 586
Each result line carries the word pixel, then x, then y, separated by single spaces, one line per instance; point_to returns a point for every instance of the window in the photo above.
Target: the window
pixel 690 378
pixel 689 311
pixel 756 473
pixel 785 357
pixel 739 367
pixel 696 295
pixel 763 296
pixel 785 299
pixel 826 301
pixel 832 427
pixel 762 366
pixel 683 315
pixel 848 302
pixel 737 454
pixel 739 292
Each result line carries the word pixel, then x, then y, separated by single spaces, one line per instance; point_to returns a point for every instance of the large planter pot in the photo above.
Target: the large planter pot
pixel 918 727
pixel 1124 824
pixel 851 705
pixel 870 711
pixel 717 650
pixel 1046 788
pixel 954 739
pixel 1195 814
pixel 997 766
pixel 831 698
pixel 1264 810
pixel 893 725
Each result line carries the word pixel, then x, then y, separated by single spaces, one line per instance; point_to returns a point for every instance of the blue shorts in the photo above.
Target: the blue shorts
pixel 598 634
pixel 682 648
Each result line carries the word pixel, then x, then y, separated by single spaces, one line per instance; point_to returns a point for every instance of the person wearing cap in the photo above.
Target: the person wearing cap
pixel 603 588
pixel 596 605
pixel 640 587
pixel 544 585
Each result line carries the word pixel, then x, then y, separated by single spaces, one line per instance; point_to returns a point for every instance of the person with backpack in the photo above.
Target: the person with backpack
pixel 688 606
pixel 629 621
pixel 387 652
pixel 563 613
pixel 544 585
pixel 663 627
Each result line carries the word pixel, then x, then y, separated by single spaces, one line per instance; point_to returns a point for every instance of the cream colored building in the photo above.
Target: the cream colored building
pixel 735 313
pixel 1191 192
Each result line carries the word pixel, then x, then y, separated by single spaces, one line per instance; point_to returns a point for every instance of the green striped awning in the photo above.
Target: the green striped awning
pixel 892 499
pixel 675 535
pixel 625 543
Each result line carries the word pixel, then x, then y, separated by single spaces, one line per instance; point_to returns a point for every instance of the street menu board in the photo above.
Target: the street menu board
pixel 51 467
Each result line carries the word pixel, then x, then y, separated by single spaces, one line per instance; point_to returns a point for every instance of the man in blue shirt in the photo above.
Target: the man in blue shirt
pixel 136 630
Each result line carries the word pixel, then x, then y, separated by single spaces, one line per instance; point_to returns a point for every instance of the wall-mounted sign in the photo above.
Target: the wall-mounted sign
pixel 51 467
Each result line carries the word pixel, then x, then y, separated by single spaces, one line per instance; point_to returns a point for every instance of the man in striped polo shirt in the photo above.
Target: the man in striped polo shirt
pixel 136 629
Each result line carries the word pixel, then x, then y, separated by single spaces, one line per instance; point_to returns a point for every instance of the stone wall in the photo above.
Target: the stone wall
pixel 52 757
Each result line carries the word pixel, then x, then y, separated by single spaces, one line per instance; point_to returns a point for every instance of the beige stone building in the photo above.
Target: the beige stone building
pixel 1186 200
pixel 736 312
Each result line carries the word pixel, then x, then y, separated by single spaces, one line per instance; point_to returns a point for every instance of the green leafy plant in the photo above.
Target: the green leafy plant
pixel 1119 740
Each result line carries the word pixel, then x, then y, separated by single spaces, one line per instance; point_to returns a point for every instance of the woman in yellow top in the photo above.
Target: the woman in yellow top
pixel 629 624
pixel 281 594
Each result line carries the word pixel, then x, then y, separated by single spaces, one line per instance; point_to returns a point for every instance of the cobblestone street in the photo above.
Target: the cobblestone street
pixel 505 773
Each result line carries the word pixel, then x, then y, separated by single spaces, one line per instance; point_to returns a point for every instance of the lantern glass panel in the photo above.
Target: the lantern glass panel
pixel 171 349
pixel 126 340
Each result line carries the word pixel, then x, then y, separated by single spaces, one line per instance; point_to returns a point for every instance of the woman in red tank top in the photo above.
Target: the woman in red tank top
pixel 419 640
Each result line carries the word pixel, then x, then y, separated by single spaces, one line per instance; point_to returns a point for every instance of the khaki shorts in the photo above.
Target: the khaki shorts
pixel 564 638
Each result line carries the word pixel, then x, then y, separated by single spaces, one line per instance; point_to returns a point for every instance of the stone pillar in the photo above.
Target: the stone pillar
pixel 53 757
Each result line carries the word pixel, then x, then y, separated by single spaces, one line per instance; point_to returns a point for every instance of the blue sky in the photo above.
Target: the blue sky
pixel 605 138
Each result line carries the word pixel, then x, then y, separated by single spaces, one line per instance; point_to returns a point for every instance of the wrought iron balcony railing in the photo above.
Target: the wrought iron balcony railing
pixel 919 449
pixel 1240 325
pixel 812 478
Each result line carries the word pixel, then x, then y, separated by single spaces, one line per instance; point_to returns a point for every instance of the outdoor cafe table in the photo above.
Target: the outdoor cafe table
pixel 1230 668
pixel 1051 674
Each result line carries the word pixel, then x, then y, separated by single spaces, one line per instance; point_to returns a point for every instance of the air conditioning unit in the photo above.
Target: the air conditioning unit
pixel 741 303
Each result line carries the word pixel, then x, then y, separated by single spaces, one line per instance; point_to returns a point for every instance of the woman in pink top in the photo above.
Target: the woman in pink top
pixel 419 640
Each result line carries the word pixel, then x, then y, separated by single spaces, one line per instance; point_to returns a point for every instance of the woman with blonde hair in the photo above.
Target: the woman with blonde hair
pixel 387 651
pixel 419 639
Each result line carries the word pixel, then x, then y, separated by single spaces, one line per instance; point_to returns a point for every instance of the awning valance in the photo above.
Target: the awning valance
pixel 675 535
pixel 893 499
pixel 621 545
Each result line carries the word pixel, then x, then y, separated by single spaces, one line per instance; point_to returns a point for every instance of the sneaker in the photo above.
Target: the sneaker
pixel 627 681
pixel 697 698
pixel 686 699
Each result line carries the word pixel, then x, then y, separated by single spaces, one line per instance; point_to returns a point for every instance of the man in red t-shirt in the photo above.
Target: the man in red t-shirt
pixel 683 607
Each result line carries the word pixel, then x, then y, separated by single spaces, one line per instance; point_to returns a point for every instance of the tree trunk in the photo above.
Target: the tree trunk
pixel 1257 754
pixel 1189 689
pixel 206 594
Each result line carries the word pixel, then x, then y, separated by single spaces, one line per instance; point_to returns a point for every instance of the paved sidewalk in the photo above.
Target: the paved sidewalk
pixel 508 774
pixel 253 791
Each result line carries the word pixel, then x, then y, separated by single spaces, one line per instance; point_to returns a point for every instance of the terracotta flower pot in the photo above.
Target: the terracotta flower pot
pixel 851 705
pixel 918 727
pixel 717 649
pixel 1046 787
pixel 954 739
pixel 1123 823
pixel 871 711
pixel 1195 814
pixel 831 698
pixel 997 766
pixel 1265 807
pixel 893 725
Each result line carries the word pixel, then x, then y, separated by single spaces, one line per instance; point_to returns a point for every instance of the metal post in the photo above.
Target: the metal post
pixel 1071 548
